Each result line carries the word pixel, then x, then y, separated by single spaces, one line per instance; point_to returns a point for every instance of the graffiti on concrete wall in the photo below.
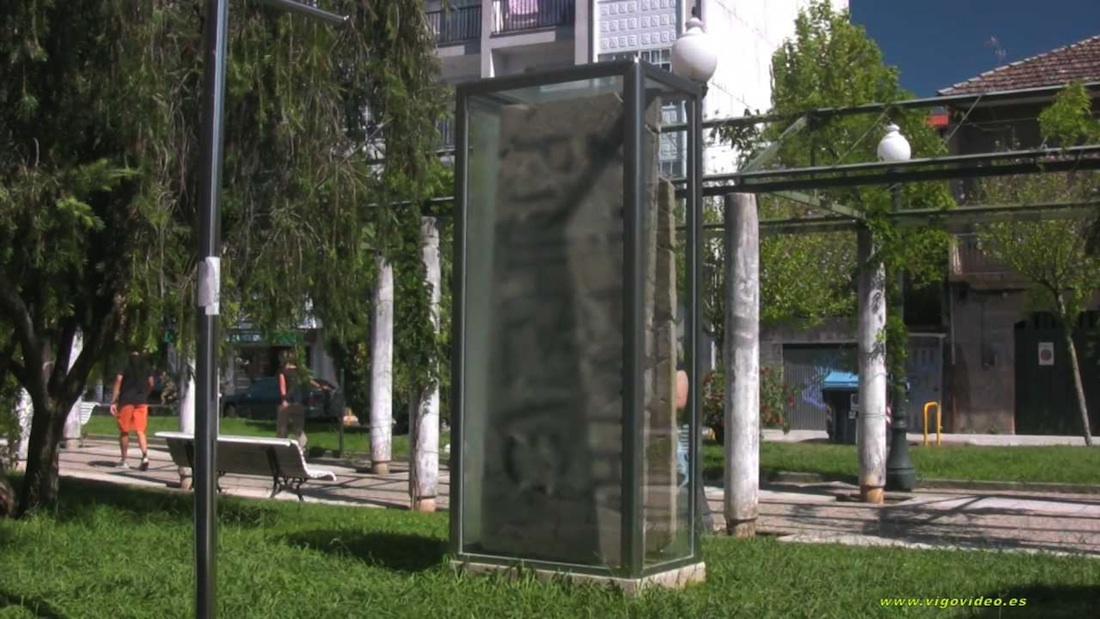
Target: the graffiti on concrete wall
pixel 805 368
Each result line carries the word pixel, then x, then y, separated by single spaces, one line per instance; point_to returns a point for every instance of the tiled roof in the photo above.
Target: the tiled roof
pixel 1078 61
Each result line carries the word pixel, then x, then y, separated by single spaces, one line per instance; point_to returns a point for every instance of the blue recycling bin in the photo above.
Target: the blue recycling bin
pixel 840 390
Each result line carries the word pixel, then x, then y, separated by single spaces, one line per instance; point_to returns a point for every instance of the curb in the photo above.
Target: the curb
pixel 1019 486
pixel 793 477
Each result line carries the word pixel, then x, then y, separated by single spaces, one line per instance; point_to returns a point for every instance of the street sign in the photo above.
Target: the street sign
pixel 1046 353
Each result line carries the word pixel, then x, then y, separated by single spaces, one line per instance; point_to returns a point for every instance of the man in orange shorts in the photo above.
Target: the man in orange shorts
pixel 130 406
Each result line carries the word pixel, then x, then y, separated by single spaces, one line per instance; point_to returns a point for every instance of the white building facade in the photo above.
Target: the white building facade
pixel 490 38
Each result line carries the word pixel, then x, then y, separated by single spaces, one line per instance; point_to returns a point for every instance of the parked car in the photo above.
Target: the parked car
pixel 325 401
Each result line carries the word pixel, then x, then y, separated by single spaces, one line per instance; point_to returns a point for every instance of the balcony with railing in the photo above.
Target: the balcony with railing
pixel 457 25
pixel 512 16
pixel 972 265
pixel 967 258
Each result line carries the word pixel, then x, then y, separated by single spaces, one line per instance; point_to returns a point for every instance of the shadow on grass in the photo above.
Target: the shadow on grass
pixel 1046 601
pixel 399 552
pixel 34 606
pixel 81 498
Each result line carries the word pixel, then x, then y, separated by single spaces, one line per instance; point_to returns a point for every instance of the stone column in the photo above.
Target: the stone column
pixel 381 371
pixel 872 370
pixel 73 430
pixel 187 410
pixel 24 411
pixel 424 425
pixel 553 449
pixel 741 352
pixel 660 436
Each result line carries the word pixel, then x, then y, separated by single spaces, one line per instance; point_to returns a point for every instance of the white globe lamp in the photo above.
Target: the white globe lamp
pixel 894 148
pixel 694 55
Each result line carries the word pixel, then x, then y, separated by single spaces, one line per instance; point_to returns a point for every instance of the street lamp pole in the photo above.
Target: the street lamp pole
pixel 694 56
pixel 215 49
pixel 209 289
pixel 900 474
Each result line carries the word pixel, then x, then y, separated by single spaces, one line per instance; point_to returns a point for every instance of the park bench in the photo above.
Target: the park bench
pixel 280 459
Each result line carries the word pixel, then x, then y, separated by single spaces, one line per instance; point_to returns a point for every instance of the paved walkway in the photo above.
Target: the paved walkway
pixel 960 519
pixel 797 512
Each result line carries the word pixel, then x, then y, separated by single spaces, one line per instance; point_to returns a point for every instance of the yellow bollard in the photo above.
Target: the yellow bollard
pixel 939 422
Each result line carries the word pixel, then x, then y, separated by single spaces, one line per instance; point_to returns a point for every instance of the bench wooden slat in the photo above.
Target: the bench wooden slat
pixel 292 463
pixel 86 409
pixel 232 458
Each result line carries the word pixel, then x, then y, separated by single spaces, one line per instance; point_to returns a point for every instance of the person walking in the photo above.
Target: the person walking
pixel 130 406
pixel 292 412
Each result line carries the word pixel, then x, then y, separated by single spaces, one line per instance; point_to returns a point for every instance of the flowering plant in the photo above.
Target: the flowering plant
pixel 776 399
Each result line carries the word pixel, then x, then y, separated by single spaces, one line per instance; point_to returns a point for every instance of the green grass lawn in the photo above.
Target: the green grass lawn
pixel 322 435
pixel 1057 464
pixel 113 551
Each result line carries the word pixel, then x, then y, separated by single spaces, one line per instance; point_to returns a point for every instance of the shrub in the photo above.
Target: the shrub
pixel 776 399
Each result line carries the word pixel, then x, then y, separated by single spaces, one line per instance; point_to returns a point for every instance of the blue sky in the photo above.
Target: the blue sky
pixel 937 43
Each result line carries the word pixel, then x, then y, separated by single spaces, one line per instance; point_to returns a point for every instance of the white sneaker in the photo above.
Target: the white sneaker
pixel 122 464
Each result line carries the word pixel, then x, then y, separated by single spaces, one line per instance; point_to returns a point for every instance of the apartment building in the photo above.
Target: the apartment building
pixel 489 38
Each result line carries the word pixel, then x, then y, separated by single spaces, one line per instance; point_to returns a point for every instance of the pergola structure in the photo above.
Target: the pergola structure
pixel 792 183
pixel 741 229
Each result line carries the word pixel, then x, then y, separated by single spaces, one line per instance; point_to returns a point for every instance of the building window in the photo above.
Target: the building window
pixel 673 147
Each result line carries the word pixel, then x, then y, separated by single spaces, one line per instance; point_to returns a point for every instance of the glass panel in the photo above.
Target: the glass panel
pixel 666 476
pixel 543 318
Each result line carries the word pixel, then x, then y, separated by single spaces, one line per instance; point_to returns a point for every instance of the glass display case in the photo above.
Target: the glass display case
pixel 575 304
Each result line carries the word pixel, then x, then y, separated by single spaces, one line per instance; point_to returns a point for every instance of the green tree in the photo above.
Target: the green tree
pixel 831 62
pixel 1052 254
pixel 10 430
pixel 99 123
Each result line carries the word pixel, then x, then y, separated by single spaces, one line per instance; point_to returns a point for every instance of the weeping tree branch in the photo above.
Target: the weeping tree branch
pixel 13 307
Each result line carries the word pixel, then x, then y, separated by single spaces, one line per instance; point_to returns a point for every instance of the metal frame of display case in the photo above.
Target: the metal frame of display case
pixel 634 75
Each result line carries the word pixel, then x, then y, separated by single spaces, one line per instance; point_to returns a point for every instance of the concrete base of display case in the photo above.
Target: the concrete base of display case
pixel 677 578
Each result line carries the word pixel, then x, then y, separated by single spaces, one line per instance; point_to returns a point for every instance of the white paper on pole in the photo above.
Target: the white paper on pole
pixel 209 288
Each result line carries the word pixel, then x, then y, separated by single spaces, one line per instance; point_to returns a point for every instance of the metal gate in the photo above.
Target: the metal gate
pixel 1045 398
pixel 805 366
pixel 924 371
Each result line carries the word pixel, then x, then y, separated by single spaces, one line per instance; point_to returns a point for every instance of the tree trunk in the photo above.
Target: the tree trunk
pixel 40 483
pixel 872 371
pixel 381 383
pixel 424 460
pixel 187 410
pixel 1078 386
pixel 742 355
pixel 7 493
